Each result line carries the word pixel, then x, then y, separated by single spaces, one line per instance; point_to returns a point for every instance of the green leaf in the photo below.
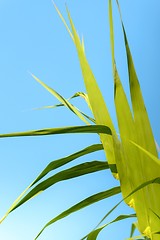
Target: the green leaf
pixel 156 214
pixel 150 155
pixel 93 235
pixel 141 186
pixel 96 100
pixel 133 228
pixel 62 105
pixel 79 170
pixel 63 20
pixel 145 184
pixel 84 96
pixel 60 162
pixel 77 94
pixel 142 123
pixel 125 123
pixel 62 130
pixel 61 99
pixel 106 215
pixel 86 202
pixel 139 132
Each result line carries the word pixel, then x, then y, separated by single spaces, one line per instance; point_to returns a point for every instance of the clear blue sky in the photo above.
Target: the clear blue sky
pixel 33 38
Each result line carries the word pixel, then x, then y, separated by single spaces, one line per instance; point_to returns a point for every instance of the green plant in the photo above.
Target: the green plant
pixel 134 149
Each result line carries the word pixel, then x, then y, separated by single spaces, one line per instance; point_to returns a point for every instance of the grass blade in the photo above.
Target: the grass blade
pixel 146 138
pixel 62 105
pixel 86 202
pixel 139 131
pixel 61 162
pixel 82 95
pixel 133 228
pixel 79 170
pixel 96 100
pixel 125 122
pixel 150 155
pixel 93 235
pixel 63 130
pixel 61 99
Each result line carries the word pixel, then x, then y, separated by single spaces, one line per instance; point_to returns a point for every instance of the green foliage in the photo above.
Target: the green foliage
pixel 134 149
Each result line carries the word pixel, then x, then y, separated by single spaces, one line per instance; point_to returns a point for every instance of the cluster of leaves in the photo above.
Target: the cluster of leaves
pixel 134 149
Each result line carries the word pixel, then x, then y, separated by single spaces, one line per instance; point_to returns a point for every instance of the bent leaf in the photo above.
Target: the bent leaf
pixel 61 99
pixel 62 105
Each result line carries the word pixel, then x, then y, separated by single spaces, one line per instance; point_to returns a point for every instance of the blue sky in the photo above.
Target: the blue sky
pixel 34 39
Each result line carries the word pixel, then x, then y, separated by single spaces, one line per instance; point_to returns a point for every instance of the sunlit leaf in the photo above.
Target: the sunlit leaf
pixel 86 202
pixel 61 99
pixel 93 235
pixel 60 162
pixel 96 99
pixel 79 170
pixel 63 130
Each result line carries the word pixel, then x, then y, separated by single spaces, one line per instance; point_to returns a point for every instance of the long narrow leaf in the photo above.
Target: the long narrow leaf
pixel 79 170
pixel 60 162
pixel 93 235
pixel 62 105
pixel 155 159
pixel 133 228
pixel 61 99
pixel 84 96
pixel 145 139
pixel 145 184
pixel 77 94
pixel 86 202
pixel 96 100
pixel 63 130
pixel 130 160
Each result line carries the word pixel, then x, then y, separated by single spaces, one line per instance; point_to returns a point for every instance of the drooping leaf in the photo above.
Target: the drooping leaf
pixel 77 94
pixel 84 96
pixel 61 99
pixel 62 105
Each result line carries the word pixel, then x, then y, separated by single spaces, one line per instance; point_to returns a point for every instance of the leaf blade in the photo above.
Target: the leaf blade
pixel 78 170
pixel 61 162
pixel 96 99
pixel 63 130
pixel 86 202
pixel 61 99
